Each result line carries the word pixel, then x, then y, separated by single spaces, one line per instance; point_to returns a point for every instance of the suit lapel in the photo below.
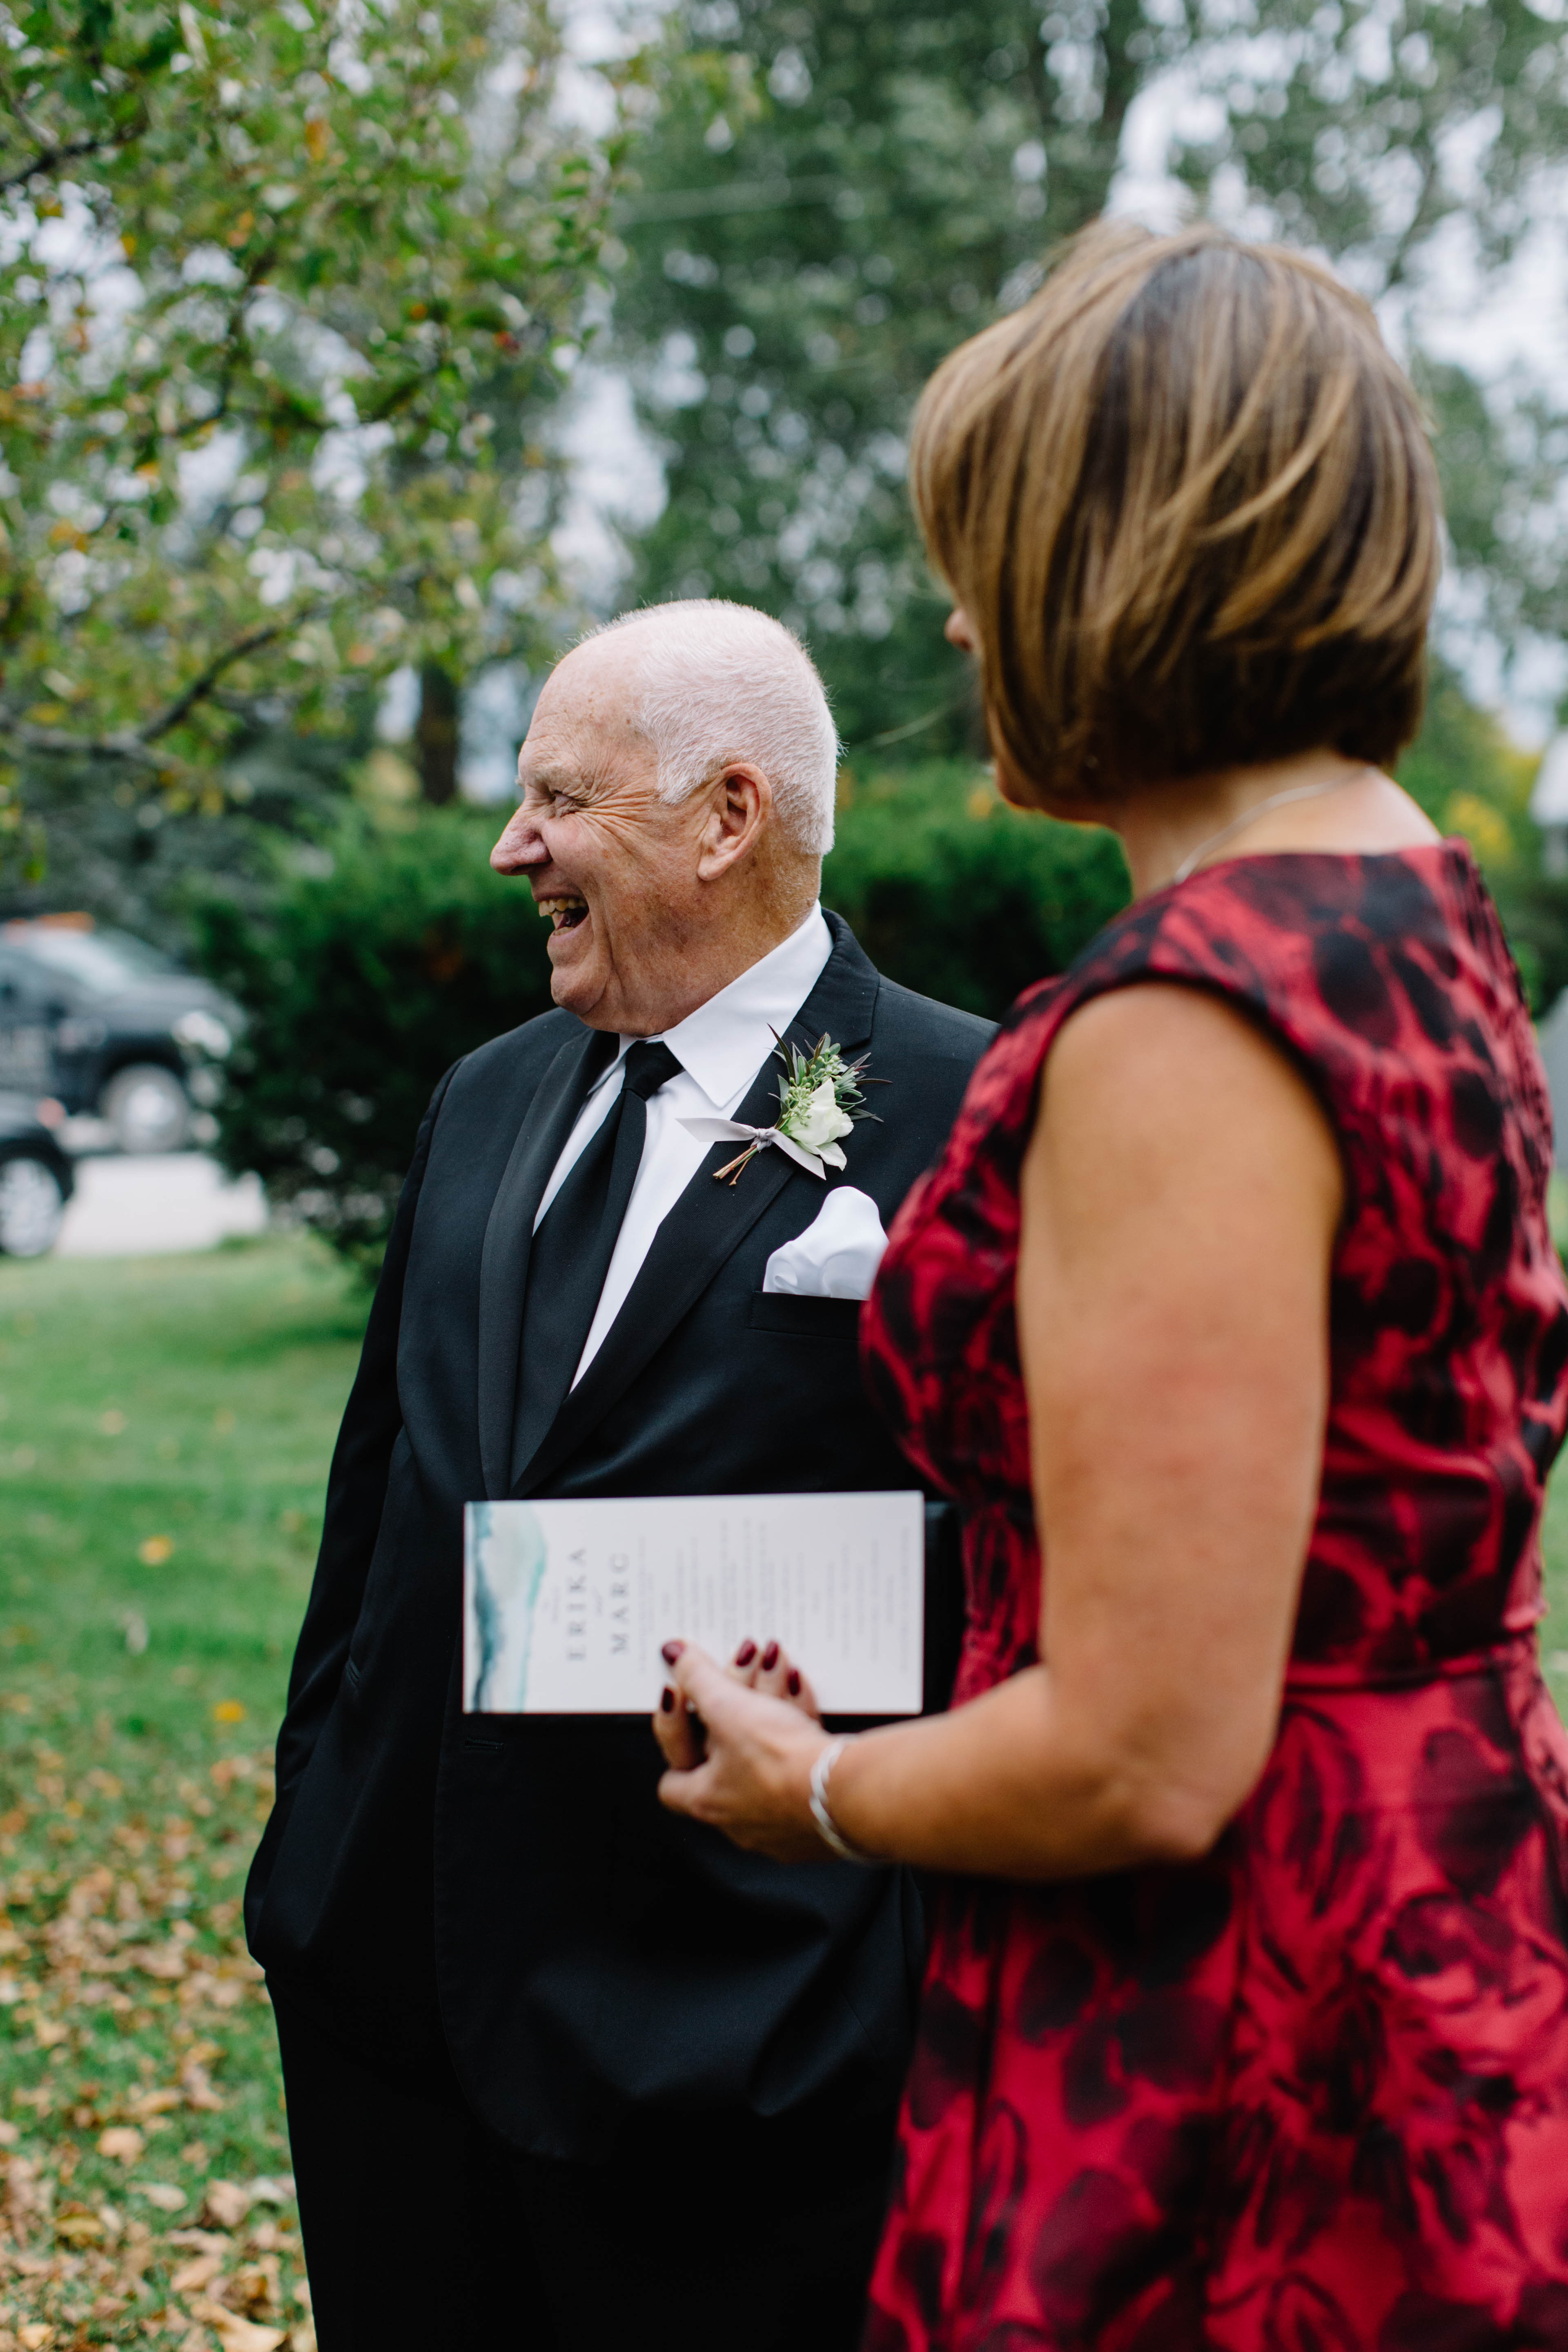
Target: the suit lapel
pixel 509 1234
pixel 709 1220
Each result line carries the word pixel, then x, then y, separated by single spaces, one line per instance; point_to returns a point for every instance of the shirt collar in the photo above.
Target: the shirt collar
pixel 726 1041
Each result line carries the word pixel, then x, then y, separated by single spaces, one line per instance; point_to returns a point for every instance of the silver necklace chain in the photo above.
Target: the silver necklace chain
pixel 1274 799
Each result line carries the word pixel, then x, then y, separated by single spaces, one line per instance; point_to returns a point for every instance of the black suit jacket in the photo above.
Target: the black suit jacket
pixel 508 1889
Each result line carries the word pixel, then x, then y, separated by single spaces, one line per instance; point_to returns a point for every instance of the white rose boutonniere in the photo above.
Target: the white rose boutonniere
pixel 818 1124
pixel 822 1098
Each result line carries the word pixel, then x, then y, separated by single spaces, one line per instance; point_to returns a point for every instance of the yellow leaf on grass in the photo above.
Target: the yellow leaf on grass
pixel 156 2103
pixel 191 2277
pixel 227 2203
pixel 229 1710
pixel 77 2225
pixel 236 2335
pixel 122 2142
pixel 164 1960
pixel 155 1551
pixel 199 2094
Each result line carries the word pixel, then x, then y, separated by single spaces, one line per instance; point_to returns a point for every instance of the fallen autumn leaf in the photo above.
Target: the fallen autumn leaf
pixel 234 2334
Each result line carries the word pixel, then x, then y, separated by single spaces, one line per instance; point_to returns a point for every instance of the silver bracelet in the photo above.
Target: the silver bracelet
pixel 828 1829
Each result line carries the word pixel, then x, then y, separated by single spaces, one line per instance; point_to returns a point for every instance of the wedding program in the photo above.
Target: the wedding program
pixel 565 1604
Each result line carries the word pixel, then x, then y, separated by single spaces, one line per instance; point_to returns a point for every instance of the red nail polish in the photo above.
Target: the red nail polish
pixel 671 1651
pixel 793 1685
pixel 667 1701
pixel 770 1657
pixel 745 1653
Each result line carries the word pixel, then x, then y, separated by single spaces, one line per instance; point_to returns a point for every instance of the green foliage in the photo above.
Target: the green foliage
pixel 956 894
pixel 1503 468
pixel 382 956
pixel 131 857
pixel 1472 779
pixel 284 297
pixel 836 192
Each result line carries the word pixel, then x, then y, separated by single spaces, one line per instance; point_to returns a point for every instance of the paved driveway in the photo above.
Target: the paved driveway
pixel 169 1201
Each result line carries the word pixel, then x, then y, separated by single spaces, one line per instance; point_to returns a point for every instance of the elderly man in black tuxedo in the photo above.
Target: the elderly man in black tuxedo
pixel 563 2070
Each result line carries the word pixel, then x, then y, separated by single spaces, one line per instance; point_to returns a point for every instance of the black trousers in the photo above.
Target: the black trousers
pixel 426 2233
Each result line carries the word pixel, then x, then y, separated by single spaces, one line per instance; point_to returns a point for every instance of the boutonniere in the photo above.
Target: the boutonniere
pixel 821 1100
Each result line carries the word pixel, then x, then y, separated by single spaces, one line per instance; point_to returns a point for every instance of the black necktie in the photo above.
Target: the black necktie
pixel 571 1250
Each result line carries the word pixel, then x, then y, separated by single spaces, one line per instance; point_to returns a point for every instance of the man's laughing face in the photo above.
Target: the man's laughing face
pixel 611 865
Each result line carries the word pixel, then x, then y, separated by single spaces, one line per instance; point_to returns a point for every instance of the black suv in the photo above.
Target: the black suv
pixel 104 1024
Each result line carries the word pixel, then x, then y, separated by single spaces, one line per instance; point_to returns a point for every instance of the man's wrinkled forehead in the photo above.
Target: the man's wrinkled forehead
pixel 597 682
pixel 585 717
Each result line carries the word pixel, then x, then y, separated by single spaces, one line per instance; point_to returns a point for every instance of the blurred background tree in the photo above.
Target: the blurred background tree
pixel 285 295
pixel 288 303
pixel 835 191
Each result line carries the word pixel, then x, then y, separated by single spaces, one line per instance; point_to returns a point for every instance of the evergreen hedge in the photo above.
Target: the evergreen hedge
pixel 381 957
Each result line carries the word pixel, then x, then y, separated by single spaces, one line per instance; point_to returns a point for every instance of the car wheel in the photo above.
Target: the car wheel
pixel 32 1204
pixel 147 1108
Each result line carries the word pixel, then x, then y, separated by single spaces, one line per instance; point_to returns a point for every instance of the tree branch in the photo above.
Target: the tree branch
pixel 49 159
pixel 1421 219
pixel 202 685
pixel 133 746
pixel 58 743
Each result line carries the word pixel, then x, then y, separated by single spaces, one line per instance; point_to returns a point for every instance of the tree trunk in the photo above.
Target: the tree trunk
pixel 436 735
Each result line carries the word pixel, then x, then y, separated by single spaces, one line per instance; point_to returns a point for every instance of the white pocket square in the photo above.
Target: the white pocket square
pixel 838 1253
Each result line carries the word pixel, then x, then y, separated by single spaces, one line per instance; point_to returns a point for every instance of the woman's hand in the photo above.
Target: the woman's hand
pixel 754 1780
pixel 770 1671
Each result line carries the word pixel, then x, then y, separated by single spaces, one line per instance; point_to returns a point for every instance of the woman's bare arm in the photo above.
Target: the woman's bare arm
pixel 1180 1199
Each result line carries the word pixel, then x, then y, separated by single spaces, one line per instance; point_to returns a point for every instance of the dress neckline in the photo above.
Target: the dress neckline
pixel 1451 845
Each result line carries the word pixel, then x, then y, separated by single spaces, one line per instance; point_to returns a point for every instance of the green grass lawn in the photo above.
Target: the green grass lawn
pixel 165 1425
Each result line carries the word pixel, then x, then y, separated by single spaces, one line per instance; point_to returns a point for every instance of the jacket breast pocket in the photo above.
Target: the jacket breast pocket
pixel 803 1318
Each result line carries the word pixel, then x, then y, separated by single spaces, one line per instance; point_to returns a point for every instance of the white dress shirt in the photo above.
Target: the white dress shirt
pixel 721 1048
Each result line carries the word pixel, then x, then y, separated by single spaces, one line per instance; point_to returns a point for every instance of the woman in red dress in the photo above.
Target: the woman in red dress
pixel 1232 1320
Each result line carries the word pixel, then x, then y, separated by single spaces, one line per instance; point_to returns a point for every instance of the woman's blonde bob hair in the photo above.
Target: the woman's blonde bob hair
pixel 1187 501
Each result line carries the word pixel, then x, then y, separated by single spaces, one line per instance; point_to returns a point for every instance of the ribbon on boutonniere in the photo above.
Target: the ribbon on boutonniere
pixel 820 1102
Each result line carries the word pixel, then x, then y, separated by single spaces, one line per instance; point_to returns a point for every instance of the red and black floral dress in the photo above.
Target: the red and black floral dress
pixel 1309 2094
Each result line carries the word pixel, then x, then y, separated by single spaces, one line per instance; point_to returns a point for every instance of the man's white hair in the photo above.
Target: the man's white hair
pixel 718 682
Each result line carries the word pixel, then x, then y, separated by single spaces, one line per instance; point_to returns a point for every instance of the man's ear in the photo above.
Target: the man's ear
pixel 740 809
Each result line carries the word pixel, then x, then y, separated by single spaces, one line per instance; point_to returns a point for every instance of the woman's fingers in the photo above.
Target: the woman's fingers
pixel 799 1693
pixel 705 1687
pixel 677 1732
pixel 750 1778
pixel 681 1790
pixel 779 1678
pixel 768 1667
